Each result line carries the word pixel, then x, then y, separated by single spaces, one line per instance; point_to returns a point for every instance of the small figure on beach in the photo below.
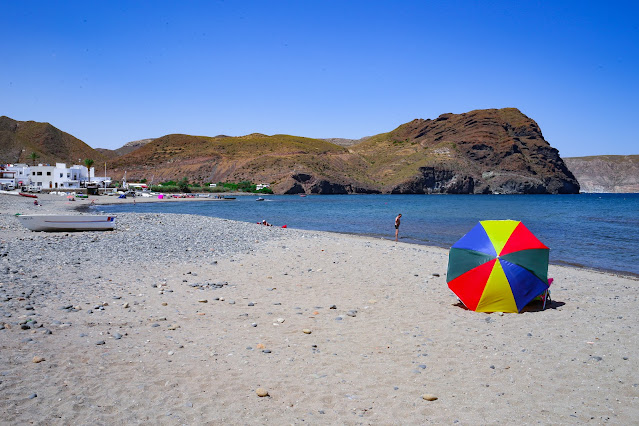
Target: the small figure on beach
pixel 265 223
pixel 397 221
pixel 35 203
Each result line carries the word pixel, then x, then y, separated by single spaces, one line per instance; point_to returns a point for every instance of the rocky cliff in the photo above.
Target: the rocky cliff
pixel 606 173
pixel 483 151
pixel 479 152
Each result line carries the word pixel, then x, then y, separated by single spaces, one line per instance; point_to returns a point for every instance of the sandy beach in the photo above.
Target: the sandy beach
pixel 181 319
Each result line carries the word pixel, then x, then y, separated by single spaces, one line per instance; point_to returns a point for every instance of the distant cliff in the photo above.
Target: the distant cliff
pixel 128 147
pixel 479 152
pixel 606 173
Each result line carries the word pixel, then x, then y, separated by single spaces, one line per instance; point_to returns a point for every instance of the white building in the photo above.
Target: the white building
pixel 14 175
pixel 59 176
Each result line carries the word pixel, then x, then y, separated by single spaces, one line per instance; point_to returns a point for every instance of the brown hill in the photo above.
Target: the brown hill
pixel 282 160
pixel 606 173
pixel 18 139
pixel 482 151
pixel 125 149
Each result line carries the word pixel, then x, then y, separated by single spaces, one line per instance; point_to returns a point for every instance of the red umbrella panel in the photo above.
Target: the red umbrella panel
pixel 499 266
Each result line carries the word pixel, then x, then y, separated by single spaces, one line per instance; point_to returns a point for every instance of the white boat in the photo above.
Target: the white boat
pixel 67 222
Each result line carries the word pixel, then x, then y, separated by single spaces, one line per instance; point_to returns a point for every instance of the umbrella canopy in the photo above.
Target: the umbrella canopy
pixel 499 266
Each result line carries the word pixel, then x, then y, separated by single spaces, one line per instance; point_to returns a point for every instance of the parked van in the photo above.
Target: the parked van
pixel 31 188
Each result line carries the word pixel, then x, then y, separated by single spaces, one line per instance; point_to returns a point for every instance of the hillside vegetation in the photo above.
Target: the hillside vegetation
pixel 483 151
pixel 19 139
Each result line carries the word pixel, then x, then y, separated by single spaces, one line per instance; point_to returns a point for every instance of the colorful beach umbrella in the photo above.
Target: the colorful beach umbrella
pixel 499 266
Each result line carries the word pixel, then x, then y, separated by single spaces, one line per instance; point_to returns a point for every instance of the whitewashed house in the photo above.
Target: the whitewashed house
pixel 59 176
pixel 14 176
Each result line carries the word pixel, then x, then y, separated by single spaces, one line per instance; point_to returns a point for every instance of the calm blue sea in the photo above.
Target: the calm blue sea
pixel 598 231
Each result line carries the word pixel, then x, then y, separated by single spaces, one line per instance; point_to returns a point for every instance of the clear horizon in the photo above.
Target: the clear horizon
pixel 114 72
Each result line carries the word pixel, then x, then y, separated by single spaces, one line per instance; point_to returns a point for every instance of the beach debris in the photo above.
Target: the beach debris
pixel 332 307
pixel 306 331
pixel 280 320
pixel 261 392
pixel 126 305
pixel 37 359
pixel 429 397
pixel 260 346
pixel 203 301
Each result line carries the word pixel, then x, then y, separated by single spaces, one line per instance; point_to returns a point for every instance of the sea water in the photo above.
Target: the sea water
pixel 599 231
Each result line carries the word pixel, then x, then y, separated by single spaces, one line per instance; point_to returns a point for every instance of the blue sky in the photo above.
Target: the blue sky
pixel 111 72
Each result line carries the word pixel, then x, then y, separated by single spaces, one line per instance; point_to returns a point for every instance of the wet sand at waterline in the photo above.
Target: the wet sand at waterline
pixel 181 319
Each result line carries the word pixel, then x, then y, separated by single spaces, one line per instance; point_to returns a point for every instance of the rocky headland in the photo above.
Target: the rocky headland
pixel 479 152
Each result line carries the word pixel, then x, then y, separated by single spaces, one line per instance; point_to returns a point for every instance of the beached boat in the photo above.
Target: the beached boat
pixel 66 222
pixel 24 194
pixel 260 199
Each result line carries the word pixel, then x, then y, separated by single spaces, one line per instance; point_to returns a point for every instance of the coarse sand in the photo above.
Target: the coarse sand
pixel 262 325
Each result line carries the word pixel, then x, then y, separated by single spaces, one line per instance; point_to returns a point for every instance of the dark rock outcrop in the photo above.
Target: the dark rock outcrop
pixel 304 183
pixel 432 180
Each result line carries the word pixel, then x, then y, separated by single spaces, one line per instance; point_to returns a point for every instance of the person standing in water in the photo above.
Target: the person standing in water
pixel 397 220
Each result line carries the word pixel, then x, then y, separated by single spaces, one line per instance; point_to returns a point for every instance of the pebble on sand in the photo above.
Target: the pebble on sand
pixel 429 397
pixel 203 301
pixel 37 359
pixel 306 331
pixel 261 392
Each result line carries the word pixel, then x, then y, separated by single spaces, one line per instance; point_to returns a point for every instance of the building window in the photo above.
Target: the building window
pixel 33 173
pixel 39 173
pixel 68 175
pixel 61 174
pixel 48 173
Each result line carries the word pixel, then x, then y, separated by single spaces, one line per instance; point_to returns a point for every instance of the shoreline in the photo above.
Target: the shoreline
pixel 88 208
pixel 175 318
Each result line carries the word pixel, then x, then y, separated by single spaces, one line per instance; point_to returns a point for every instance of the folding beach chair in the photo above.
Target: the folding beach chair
pixel 545 296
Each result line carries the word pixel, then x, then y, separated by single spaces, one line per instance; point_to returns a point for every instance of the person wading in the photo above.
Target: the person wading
pixel 397 220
